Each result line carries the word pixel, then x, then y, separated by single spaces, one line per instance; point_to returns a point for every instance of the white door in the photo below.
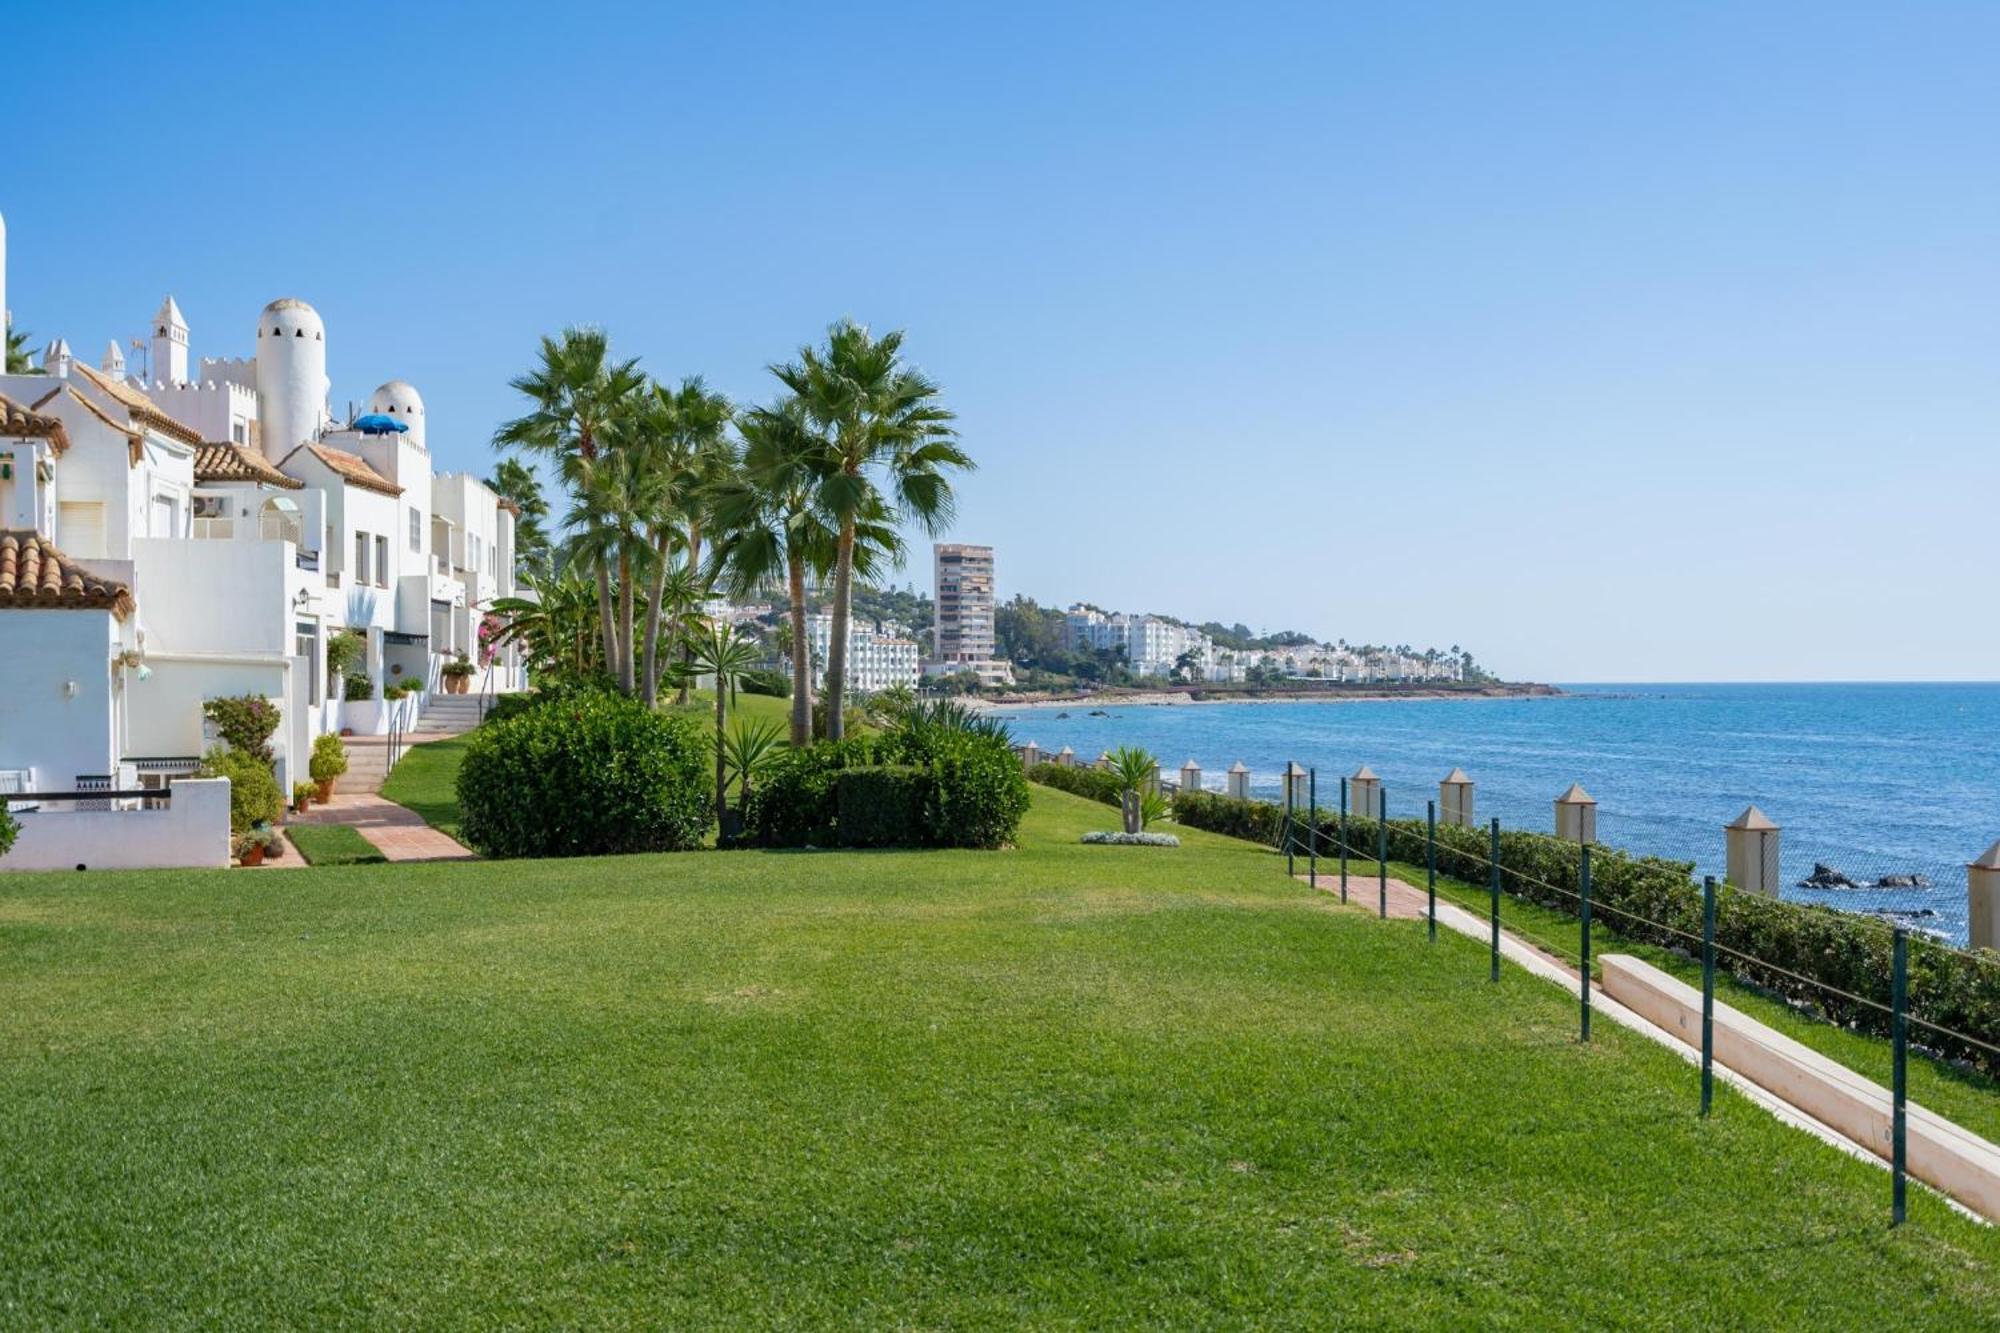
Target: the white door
pixel 166 515
pixel 80 529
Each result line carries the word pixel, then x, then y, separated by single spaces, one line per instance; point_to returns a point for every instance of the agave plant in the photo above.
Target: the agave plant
pixel 917 715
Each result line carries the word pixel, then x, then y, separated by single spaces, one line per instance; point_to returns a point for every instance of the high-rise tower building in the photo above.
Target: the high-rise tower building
pixel 964 589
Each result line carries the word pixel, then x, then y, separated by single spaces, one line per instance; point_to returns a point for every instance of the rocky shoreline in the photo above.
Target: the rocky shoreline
pixel 1331 693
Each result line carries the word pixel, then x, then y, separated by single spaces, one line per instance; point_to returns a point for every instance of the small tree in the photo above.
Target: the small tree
pixel 244 722
pixel 718 650
pixel 1134 769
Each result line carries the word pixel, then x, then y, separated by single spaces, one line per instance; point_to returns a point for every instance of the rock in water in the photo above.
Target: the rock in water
pixel 1902 882
pixel 1826 877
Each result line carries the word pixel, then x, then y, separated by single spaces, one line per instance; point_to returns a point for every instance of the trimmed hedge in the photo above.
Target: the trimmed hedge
pixel 586 774
pixel 1842 950
pixel 881 805
pixel 971 788
pixel 1094 784
pixel 775 684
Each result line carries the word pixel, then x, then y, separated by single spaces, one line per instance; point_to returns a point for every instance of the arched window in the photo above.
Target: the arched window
pixel 298 333
pixel 279 520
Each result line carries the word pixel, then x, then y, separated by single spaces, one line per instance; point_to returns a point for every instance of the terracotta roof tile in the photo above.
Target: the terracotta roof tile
pixel 143 409
pixel 21 422
pixel 34 575
pixel 351 468
pixel 229 462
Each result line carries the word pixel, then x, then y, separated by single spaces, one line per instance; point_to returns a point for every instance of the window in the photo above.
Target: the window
pixel 381 562
pixel 239 432
pixel 305 643
pixel 80 528
pixel 472 551
pixel 416 530
pixel 165 517
pixel 493 561
pixel 360 558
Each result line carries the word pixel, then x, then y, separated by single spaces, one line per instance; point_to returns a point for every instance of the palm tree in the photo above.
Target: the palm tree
pixel 614 503
pixel 578 392
pixel 684 433
pixel 516 481
pixel 747 753
pixel 16 361
pixel 553 626
pixel 875 415
pixel 723 653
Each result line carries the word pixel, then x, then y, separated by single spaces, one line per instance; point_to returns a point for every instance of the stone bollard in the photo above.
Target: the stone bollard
pixel 1455 799
pixel 1066 757
pixel 1576 815
pixel 1238 778
pixel 1031 754
pixel 1104 761
pixel 1750 843
pixel 1982 900
pixel 1297 784
pixel 1364 794
pixel 1190 776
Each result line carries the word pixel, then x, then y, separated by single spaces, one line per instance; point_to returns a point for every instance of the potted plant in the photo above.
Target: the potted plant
pixel 302 794
pixel 250 849
pixel 274 845
pixel 457 674
pixel 329 761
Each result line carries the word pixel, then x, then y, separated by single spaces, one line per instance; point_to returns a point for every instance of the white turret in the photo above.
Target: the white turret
pixel 56 358
pixel 291 376
pixel 114 360
pixel 170 344
pixel 400 400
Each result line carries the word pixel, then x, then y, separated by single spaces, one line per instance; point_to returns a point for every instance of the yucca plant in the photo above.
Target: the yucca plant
pixel 1134 769
pixel 747 751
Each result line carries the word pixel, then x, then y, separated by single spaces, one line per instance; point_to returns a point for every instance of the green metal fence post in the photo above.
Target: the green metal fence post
pixel 1707 993
pixel 1583 969
pixel 1343 840
pixel 1899 1005
pixel 1287 780
pixel 1494 861
pixel 1312 824
pixel 1382 845
pixel 1431 861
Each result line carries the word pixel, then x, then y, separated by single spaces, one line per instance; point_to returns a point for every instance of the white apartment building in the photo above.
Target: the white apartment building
pixel 876 657
pixel 1154 645
pixel 182 537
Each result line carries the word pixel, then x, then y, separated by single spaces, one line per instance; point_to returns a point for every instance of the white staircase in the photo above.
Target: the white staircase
pixel 450 713
pixel 367 765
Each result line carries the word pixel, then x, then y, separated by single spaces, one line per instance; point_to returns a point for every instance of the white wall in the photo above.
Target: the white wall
pixel 215 596
pixel 192 832
pixel 163 712
pixel 42 726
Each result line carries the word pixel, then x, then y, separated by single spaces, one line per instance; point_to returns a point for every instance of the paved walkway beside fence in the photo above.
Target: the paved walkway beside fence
pixel 399 834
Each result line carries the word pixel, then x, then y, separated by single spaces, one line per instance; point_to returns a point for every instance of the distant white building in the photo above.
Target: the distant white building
pixel 876 660
pixel 1153 645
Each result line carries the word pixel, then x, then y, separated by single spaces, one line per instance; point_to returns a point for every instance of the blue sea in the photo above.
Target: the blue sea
pixel 1873 780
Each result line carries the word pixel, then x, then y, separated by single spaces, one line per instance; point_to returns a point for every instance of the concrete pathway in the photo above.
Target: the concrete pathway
pixel 400 834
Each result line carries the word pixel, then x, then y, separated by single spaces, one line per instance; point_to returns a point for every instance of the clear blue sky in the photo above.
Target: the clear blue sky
pixel 1610 341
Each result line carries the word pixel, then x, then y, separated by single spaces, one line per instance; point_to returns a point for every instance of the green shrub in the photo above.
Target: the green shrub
pixel 357 689
pixel 973 792
pixel 795 804
pixel 254 797
pixel 776 684
pixel 1657 901
pixel 9 829
pixel 344 651
pixel 329 757
pixel 592 774
pixel 880 805
pixel 245 722
pixel 1093 783
pixel 976 794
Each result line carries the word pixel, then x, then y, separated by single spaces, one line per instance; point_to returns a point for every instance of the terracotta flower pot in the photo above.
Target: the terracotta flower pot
pixel 253 855
pixel 325 790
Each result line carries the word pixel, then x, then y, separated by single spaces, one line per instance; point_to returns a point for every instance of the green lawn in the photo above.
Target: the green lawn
pixel 424 780
pixel 1959 1094
pixel 1053 1086
pixel 332 845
